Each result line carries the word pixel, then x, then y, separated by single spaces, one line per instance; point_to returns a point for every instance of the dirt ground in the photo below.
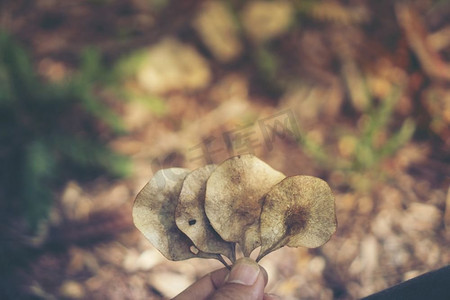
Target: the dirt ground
pixel 319 79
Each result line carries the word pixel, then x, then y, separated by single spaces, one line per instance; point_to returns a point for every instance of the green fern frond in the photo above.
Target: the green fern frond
pixel 41 144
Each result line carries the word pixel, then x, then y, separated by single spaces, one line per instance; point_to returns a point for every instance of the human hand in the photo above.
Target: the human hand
pixel 246 280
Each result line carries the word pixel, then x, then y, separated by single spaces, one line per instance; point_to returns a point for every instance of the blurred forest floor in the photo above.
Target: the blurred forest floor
pixel 354 92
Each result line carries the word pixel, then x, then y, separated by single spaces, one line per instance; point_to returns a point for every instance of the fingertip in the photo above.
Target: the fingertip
pixel 245 272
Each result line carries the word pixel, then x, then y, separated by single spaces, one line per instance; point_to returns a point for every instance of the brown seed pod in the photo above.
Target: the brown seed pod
pixel 154 215
pixel 190 215
pixel 298 211
pixel 234 195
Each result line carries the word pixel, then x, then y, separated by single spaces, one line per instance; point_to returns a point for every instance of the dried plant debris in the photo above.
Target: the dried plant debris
pixel 233 201
pixel 204 213
pixel 298 211
pixel 191 218
pixel 154 215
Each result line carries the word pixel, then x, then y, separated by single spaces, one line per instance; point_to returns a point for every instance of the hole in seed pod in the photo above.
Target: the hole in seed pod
pixel 192 222
pixel 194 250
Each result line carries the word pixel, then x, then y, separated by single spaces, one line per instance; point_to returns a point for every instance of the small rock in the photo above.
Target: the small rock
pixel 219 31
pixel 411 274
pixel 145 261
pixel 317 265
pixel 76 205
pixel 72 290
pixel 130 261
pixel 148 259
pixel 169 284
pixel 421 217
pixel 172 65
pixel 369 255
pixel 264 20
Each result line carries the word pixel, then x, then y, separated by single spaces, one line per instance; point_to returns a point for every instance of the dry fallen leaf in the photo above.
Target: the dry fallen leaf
pixel 234 195
pixel 190 215
pixel 298 211
pixel 154 215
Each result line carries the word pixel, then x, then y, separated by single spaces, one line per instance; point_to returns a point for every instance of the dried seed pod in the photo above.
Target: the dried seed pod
pixel 298 211
pixel 154 215
pixel 190 215
pixel 234 195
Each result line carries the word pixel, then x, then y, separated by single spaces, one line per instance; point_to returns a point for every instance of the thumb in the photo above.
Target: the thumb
pixel 246 280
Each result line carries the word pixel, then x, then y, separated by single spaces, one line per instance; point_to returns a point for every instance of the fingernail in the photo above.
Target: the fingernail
pixel 245 271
